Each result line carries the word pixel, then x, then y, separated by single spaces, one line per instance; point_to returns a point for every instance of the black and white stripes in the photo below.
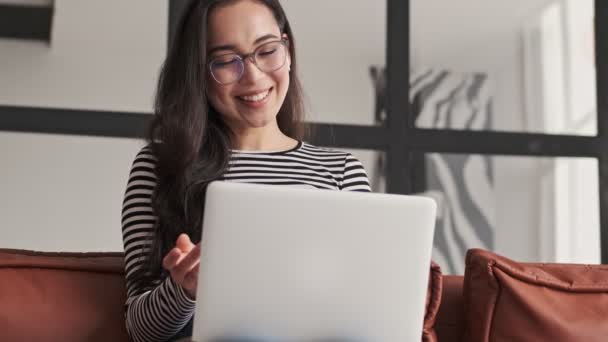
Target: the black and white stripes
pixel 451 100
pixel 160 310
pixel 460 101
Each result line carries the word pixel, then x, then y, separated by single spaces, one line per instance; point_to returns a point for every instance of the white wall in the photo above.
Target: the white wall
pixel 337 41
pixel 485 36
pixel 105 55
pixel 467 35
pixel 64 193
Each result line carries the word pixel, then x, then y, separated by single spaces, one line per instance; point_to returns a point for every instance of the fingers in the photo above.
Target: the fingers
pixel 183 243
pixel 190 282
pixel 182 247
pixel 184 264
pixel 189 261
pixel 191 278
pixel 172 259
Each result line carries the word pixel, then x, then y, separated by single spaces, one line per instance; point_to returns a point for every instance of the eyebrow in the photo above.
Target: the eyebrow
pixel 233 47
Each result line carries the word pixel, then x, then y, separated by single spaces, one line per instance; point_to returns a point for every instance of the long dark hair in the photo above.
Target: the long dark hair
pixel 188 137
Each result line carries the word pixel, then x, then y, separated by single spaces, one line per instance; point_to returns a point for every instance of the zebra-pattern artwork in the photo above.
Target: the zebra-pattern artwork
pixel 463 184
pixel 449 100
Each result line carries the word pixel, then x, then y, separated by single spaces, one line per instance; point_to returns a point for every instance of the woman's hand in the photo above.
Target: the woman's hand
pixel 182 263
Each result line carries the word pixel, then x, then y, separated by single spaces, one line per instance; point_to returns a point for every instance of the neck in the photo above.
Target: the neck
pixel 268 138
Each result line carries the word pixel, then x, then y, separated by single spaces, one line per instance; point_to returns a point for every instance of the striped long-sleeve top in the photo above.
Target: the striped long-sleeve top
pixel 157 312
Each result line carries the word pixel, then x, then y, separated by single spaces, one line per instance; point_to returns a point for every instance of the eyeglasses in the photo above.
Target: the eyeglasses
pixel 268 57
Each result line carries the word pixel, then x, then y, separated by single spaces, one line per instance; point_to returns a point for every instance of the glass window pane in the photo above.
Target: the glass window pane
pixel 335 57
pixel 525 65
pixel 526 208
pixel 63 193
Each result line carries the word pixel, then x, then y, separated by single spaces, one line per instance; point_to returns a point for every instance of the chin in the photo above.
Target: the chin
pixel 260 123
pixel 258 119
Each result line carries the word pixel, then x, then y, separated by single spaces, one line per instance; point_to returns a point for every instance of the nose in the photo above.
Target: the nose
pixel 251 72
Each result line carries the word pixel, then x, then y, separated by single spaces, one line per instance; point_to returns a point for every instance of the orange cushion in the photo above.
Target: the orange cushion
pixel 433 300
pixel 449 325
pixel 516 302
pixel 61 296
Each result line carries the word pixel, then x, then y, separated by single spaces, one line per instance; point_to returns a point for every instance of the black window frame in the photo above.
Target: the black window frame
pixel 22 21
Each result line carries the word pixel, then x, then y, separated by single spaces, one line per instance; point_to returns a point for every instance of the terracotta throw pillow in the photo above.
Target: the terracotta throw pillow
pixel 516 302
pixel 433 300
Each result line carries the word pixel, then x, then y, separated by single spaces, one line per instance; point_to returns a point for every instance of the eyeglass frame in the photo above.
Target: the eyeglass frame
pixel 251 55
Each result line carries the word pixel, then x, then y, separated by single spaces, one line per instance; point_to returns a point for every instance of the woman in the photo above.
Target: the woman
pixel 228 107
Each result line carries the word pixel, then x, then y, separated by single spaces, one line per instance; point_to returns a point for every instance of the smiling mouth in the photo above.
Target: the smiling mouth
pixel 259 97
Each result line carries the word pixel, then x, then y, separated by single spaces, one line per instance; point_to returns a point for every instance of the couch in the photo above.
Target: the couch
pixel 80 296
pixel 61 296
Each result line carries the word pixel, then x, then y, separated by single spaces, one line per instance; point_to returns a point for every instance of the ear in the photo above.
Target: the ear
pixel 286 37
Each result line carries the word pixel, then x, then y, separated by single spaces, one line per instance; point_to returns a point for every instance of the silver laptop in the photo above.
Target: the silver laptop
pixel 302 265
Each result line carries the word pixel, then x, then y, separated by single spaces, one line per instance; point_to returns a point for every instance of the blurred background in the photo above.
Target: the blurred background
pixel 77 79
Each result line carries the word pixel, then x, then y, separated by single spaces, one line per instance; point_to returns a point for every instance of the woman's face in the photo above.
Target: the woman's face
pixel 255 99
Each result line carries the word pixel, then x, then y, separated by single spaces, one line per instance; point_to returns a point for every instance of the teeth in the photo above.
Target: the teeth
pixel 256 97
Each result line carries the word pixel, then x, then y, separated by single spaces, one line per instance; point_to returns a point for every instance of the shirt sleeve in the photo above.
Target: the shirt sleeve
pixel 355 177
pixel 155 311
